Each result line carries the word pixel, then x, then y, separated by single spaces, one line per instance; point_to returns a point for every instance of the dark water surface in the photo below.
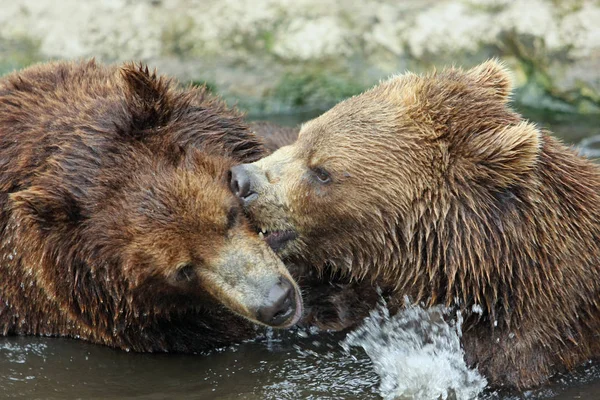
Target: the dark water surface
pixel 290 365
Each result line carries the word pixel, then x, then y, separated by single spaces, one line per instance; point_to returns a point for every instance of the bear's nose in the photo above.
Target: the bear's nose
pixel 240 182
pixel 280 304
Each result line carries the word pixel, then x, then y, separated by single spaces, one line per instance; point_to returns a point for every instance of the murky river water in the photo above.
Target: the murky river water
pixel 290 365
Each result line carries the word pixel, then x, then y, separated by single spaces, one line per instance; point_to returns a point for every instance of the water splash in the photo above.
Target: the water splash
pixel 417 354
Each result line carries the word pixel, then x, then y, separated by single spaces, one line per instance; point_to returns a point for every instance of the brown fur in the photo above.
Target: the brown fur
pixel 440 191
pixel 117 225
pixel 331 302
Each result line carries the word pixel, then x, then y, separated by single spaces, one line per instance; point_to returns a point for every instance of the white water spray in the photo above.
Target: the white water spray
pixel 417 354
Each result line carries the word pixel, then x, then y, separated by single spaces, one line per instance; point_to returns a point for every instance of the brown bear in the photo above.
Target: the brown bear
pixel 117 225
pixel 433 187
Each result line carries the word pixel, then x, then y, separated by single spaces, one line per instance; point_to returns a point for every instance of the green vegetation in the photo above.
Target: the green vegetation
pixel 210 86
pixel 18 53
pixel 314 90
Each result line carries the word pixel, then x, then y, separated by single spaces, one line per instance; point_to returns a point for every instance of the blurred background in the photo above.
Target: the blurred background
pixel 290 56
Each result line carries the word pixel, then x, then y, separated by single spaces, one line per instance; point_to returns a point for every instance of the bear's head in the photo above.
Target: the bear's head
pixel 171 233
pixel 135 216
pixel 368 183
pixel 184 233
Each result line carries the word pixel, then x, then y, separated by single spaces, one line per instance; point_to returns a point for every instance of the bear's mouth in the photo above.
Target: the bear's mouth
pixel 277 239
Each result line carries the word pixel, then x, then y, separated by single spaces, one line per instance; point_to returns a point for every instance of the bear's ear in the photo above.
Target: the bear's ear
pixel 148 99
pixel 495 77
pixel 46 208
pixel 507 153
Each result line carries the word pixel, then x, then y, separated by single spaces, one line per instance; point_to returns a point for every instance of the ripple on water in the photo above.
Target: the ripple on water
pixel 314 367
pixel 414 354
pixel 15 358
pixel 17 353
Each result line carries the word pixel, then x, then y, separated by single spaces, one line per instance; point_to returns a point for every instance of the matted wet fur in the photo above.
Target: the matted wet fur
pixel 431 186
pixel 332 301
pixel 117 225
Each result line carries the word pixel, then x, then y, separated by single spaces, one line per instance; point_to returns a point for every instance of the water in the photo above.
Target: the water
pixel 417 354
pixel 287 365
pixel 281 368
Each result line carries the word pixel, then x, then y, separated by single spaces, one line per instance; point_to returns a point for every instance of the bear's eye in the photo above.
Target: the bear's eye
pixel 322 175
pixel 185 272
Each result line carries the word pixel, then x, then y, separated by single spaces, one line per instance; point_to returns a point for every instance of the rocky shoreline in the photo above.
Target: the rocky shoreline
pixel 286 56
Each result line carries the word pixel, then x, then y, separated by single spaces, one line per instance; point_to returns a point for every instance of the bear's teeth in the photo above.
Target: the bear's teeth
pixel 261 235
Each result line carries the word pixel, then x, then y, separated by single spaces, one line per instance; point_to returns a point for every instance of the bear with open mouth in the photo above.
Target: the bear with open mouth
pixel 432 187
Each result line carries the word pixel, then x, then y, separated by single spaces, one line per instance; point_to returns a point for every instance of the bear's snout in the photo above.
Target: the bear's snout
pixel 281 305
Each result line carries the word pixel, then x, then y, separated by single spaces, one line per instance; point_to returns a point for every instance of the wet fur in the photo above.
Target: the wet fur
pixel 442 192
pixel 72 136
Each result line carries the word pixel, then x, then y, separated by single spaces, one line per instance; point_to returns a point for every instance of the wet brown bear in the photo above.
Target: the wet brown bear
pixel 433 187
pixel 117 225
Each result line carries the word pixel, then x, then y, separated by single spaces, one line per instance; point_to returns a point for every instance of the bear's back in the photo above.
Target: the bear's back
pixel 53 108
